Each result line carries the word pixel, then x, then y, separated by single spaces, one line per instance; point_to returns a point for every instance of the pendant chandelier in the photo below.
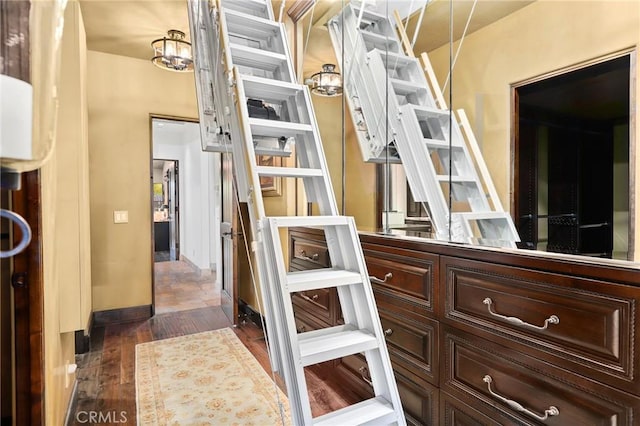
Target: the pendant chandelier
pixel 173 53
pixel 326 82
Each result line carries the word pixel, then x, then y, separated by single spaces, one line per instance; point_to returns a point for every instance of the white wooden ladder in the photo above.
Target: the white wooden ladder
pixel 253 67
pixel 398 117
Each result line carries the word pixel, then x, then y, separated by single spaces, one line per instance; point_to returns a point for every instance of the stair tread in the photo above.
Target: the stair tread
pixel 288 171
pixel 276 128
pixel 317 221
pixel 259 6
pixel 482 215
pixel 335 342
pixel 375 409
pixel 400 59
pixel 437 143
pixel 229 11
pixel 380 37
pixel 368 13
pixel 270 90
pixel 404 87
pixel 256 55
pixel 433 112
pixel 321 278
pixel 270 82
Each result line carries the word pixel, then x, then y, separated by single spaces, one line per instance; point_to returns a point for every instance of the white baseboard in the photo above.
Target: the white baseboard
pixel 201 272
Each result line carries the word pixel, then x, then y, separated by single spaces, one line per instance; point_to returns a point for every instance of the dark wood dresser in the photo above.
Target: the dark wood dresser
pixel 491 337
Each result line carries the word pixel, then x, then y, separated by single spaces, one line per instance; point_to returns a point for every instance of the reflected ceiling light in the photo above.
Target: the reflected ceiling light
pixel 326 82
pixel 173 53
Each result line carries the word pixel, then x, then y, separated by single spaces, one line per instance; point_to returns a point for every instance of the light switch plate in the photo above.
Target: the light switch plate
pixel 120 216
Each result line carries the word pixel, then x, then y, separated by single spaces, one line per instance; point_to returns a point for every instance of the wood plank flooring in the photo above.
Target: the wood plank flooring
pixel 106 374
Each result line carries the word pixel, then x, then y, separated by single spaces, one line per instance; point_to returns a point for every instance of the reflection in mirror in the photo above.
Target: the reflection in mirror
pixel 572 160
pixel 467 173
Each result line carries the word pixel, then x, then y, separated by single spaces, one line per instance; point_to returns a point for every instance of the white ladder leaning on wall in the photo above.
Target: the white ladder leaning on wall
pixel 399 112
pixel 248 94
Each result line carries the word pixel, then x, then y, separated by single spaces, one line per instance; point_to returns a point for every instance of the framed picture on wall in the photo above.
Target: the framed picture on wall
pixel 271 186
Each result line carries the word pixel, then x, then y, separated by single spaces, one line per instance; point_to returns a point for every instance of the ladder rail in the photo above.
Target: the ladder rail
pixel 482 165
pixel 362 331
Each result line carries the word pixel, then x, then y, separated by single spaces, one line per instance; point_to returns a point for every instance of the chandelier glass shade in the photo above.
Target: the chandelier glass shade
pixel 173 53
pixel 326 82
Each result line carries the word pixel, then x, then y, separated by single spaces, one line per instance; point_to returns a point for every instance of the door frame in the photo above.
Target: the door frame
pixel 230 233
pixel 515 143
pixel 27 267
pixel 176 169
pixel 153 116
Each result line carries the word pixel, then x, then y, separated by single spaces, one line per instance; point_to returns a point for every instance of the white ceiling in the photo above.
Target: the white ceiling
pixel 127 27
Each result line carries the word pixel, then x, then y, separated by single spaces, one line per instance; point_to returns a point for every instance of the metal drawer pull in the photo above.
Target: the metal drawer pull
pixel 388 332
pixel 309 299
pixel 553 319
pixel 314 257
pixel 551 411
pixel 375 279
pixel 364 372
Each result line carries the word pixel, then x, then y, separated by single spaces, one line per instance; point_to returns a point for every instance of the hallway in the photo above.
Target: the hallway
pixel 186 303
pixel 179 287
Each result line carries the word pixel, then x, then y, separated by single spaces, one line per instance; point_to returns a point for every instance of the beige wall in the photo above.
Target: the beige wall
pixel 538 39
pixel 63 199
pixel 122 92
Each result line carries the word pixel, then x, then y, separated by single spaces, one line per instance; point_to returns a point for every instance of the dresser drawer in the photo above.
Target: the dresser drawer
pixel 419 402
pixel 354 374
pixel 412 345
pixel 587 326
pixel 309 254
pixel 409 275
pixel 319 303
pixel 505 379
pixel 454 412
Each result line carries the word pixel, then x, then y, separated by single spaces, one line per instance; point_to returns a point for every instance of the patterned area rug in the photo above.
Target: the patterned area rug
pixel 204 379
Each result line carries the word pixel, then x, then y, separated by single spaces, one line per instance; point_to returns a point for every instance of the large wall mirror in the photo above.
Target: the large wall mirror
pixel 509 124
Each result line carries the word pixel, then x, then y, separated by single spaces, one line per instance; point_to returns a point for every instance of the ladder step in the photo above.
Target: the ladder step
pixel 256 58
pixel 275 128
pixel 321 278
pixel 297 172
pixel 483 215
pixel 371 411
pixel 260 26
pixel 317 221
pixel 427 112
pixel 437 143
pixel 403 87
pixel 377 41
pixel 291 87
pixel 270 90
pixel 370 15
pixel 395 59
pixel 334 342
pixel 251 7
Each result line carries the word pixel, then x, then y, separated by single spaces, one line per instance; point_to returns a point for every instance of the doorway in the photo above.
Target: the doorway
pixel 572 145
pixel 183 205
pixel 166 212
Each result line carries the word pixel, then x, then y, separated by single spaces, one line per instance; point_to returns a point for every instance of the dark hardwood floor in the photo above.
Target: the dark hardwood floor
pixel 106 374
